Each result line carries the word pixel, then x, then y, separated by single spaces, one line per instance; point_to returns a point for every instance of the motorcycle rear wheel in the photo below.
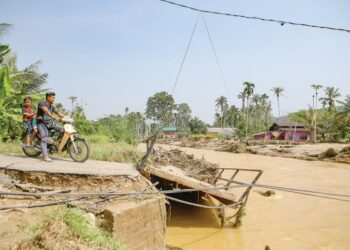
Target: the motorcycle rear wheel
pixel 31 151
pixel 83 150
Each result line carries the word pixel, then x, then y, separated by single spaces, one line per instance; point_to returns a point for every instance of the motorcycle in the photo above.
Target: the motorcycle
pixel 70 141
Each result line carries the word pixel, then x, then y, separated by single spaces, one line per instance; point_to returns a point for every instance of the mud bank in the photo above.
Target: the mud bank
pixel 331 152
pixel 137 221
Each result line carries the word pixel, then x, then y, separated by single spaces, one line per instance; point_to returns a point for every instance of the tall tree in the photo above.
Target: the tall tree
pixel 73 99
pixel 222 106
pixel 232 116
pixel 197 126
pixel 278 92
pixel 331 95
pixel 160 108
pixel 242 96
pixel 316 87
pixel 323 101
pixel 345 109
pixel 248 90
pixel 182 117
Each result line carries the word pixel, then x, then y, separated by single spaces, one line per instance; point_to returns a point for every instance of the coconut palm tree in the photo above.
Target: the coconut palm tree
pixel 316 87
pixel 331 95
pixel 222 106
pixel 27 81
pixel 248 90
pixel 4 28
pixel 323 101
pixel 242 96
pixel 345 109
pixel 278 92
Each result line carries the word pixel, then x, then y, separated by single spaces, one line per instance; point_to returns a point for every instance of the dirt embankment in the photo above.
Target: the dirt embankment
pixel 18 220
pixel 334 152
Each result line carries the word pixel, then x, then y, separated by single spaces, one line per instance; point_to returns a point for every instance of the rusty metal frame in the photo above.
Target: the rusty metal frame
pixel 244 197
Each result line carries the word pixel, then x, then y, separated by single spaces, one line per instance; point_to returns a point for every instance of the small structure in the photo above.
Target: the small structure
pixel 221 131
pixel 169 132
pixel 285 130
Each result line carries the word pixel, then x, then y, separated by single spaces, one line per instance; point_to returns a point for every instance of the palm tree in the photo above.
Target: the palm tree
pixel 278 92
pixel 331 95
pixel 4 28
pixel 316 87
pixel 242 96
pixel 73 100
pixel 221 104
pixel 345 109
pixel 248 90
pixel 323 101
pixel 27 81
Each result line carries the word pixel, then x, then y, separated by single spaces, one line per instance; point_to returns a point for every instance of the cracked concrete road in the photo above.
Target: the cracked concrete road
pixel 67 166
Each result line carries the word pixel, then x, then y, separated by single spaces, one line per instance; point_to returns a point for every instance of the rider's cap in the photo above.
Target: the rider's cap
pixel 50 94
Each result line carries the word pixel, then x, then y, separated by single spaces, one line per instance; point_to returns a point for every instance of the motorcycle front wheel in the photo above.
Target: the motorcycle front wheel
pixel 83 150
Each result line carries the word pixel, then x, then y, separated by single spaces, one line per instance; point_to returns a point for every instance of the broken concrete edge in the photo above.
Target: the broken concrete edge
pixel 138 225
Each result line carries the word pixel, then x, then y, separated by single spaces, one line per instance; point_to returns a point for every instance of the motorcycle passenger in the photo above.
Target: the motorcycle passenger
pixel 29 121
pixel 45 121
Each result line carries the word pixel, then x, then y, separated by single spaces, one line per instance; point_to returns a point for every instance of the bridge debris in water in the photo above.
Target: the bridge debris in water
pixel 176 170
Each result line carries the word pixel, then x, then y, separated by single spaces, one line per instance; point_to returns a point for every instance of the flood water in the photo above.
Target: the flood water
pixel 283 221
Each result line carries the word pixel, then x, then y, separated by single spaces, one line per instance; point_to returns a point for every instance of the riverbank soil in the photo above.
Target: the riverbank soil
pixel 333 152
pixel 141 213
pixel 281 221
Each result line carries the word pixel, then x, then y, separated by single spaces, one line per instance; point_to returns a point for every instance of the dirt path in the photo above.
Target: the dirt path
pixel 283 221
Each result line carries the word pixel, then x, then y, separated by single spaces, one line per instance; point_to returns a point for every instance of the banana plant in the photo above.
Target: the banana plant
pixel 5 86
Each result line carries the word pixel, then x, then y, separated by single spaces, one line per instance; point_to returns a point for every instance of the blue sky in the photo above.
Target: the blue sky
pixel 115 54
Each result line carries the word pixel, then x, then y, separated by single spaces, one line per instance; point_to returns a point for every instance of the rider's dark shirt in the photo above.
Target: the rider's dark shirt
pixel 41 115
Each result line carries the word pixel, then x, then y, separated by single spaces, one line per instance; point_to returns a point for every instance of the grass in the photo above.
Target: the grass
pixel 91 234
pixel 78 225
pixel 102 148
pixel 118 152
pixel 10 147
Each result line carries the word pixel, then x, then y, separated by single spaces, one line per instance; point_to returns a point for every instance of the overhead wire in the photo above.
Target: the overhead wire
pixel 184 57
pixel 281 22
pixel 216 56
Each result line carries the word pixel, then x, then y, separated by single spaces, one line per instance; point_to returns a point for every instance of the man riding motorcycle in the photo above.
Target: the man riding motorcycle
pixel 46 121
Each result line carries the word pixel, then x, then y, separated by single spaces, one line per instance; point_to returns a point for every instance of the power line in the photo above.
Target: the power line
pixel 183 59
pixel 215 55
pixel 281 22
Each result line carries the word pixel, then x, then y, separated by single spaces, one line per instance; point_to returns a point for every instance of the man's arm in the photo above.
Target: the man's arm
pixel 48 113
pixel 57 112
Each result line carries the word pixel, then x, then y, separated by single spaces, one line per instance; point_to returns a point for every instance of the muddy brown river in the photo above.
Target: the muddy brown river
pixel 283 221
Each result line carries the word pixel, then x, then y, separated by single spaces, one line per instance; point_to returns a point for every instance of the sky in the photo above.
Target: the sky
pixel 116 54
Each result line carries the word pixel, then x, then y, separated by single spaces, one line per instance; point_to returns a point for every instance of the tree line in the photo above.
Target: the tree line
pixel 330 121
